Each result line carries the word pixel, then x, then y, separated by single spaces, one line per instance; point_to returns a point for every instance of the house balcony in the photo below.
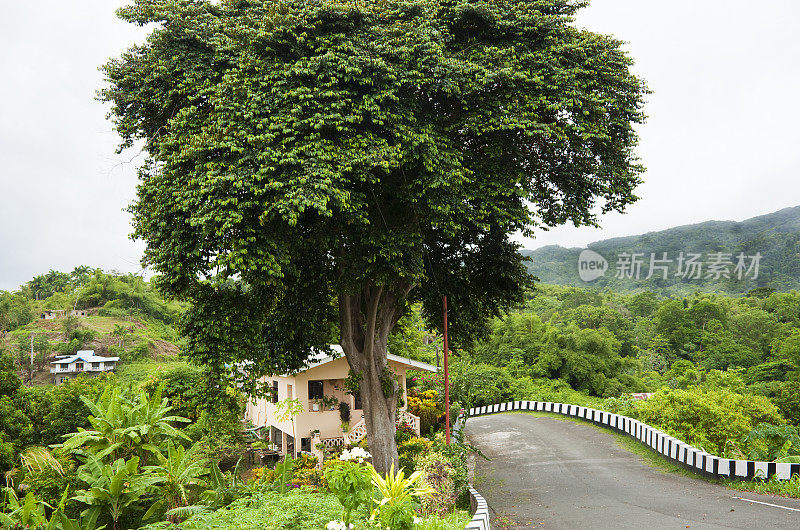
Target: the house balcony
pixel 86 369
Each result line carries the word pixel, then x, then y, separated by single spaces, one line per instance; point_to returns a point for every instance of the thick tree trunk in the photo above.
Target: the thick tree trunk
pixel 380 414
pixel 366 319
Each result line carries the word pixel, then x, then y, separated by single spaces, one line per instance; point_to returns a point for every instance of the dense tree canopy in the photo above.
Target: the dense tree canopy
pixel 305 157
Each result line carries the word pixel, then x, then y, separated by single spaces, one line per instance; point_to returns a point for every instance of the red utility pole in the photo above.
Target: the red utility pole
pixel 446 379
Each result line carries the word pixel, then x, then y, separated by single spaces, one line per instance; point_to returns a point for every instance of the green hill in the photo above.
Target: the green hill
pixel 121 315
pixel 775 236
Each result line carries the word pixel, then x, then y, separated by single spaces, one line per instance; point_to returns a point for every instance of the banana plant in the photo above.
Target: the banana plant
pixel 30 513
pixel 112 488
pixel 122 427
pixel 284 471
pixel 221 488
pixel 181 480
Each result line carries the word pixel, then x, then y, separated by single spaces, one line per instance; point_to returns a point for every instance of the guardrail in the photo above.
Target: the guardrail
pixel 677 451
pixel 478 505
pixel 480 512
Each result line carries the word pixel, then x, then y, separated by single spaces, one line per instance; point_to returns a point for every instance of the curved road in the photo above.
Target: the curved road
pixel 551 473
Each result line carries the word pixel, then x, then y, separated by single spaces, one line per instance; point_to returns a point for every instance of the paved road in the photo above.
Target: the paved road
pixel 550 473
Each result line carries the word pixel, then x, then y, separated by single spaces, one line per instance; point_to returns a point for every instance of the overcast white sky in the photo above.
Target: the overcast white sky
pixel 721 141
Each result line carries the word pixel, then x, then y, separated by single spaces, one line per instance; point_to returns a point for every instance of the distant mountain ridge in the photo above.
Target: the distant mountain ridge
pixel 774 237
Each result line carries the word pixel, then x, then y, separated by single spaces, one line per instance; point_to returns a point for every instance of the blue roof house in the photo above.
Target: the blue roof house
pixel 68 367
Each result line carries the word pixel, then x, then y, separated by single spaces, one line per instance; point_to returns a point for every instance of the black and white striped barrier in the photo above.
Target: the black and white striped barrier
pixel 480 511
pixel 681 453
pixel 478 505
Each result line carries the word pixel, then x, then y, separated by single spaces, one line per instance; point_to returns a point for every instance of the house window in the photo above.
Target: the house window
pixel 305 444
pixel 95 366
pixel 274 391
pixel 315 390
pixel 357 404
pixel 79 367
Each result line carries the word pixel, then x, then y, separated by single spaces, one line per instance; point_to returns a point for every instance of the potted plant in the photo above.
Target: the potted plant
pixel 330 402
pixel 344 412
pixel 315 433
pixel 315 405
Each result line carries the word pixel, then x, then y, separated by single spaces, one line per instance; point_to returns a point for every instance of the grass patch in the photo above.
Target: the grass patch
pixel 452 521
pixel 773 486
pixel 100 324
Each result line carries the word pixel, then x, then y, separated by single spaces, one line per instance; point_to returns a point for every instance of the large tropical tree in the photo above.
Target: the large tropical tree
pixel 313 167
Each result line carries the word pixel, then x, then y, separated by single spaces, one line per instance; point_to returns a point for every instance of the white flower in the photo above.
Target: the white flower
pixel 355 454
pixel 417 520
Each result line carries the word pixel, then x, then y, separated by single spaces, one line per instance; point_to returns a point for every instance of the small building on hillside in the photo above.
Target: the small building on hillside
pixel 67 367
pixel 52 314
pixel 320 388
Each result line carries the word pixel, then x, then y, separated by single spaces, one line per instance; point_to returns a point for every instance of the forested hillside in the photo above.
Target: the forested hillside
pixel 125 317
pixel 725 370
pixel 776 237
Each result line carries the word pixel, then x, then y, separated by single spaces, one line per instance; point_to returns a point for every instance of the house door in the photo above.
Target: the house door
pixel 79 367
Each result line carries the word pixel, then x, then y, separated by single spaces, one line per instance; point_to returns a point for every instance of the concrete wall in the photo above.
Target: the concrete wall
pixel 677 451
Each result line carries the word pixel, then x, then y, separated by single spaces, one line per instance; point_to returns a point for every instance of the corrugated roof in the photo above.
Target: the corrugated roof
pixel 320 358
pixel 86 356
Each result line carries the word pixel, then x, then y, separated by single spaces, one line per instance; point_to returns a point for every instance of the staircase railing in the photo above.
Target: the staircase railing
pixel 359 430
pixel 406 417
pixel 356 434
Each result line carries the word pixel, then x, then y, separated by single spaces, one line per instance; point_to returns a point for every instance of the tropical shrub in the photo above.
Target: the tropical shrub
pixel 707 419
pixel 307 461
pixel 351 481
pixel 403 432
pixel 771 442
pixel 437 472
pixel 307 477
pixel 263 474
pixel 399 498
pixel 219 437
pixel 47 474
pixel 298 509
pixel 31 512
pixel 427 406
pixel 409 450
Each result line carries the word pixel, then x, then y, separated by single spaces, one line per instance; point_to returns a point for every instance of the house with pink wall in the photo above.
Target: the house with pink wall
pixel 320 388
